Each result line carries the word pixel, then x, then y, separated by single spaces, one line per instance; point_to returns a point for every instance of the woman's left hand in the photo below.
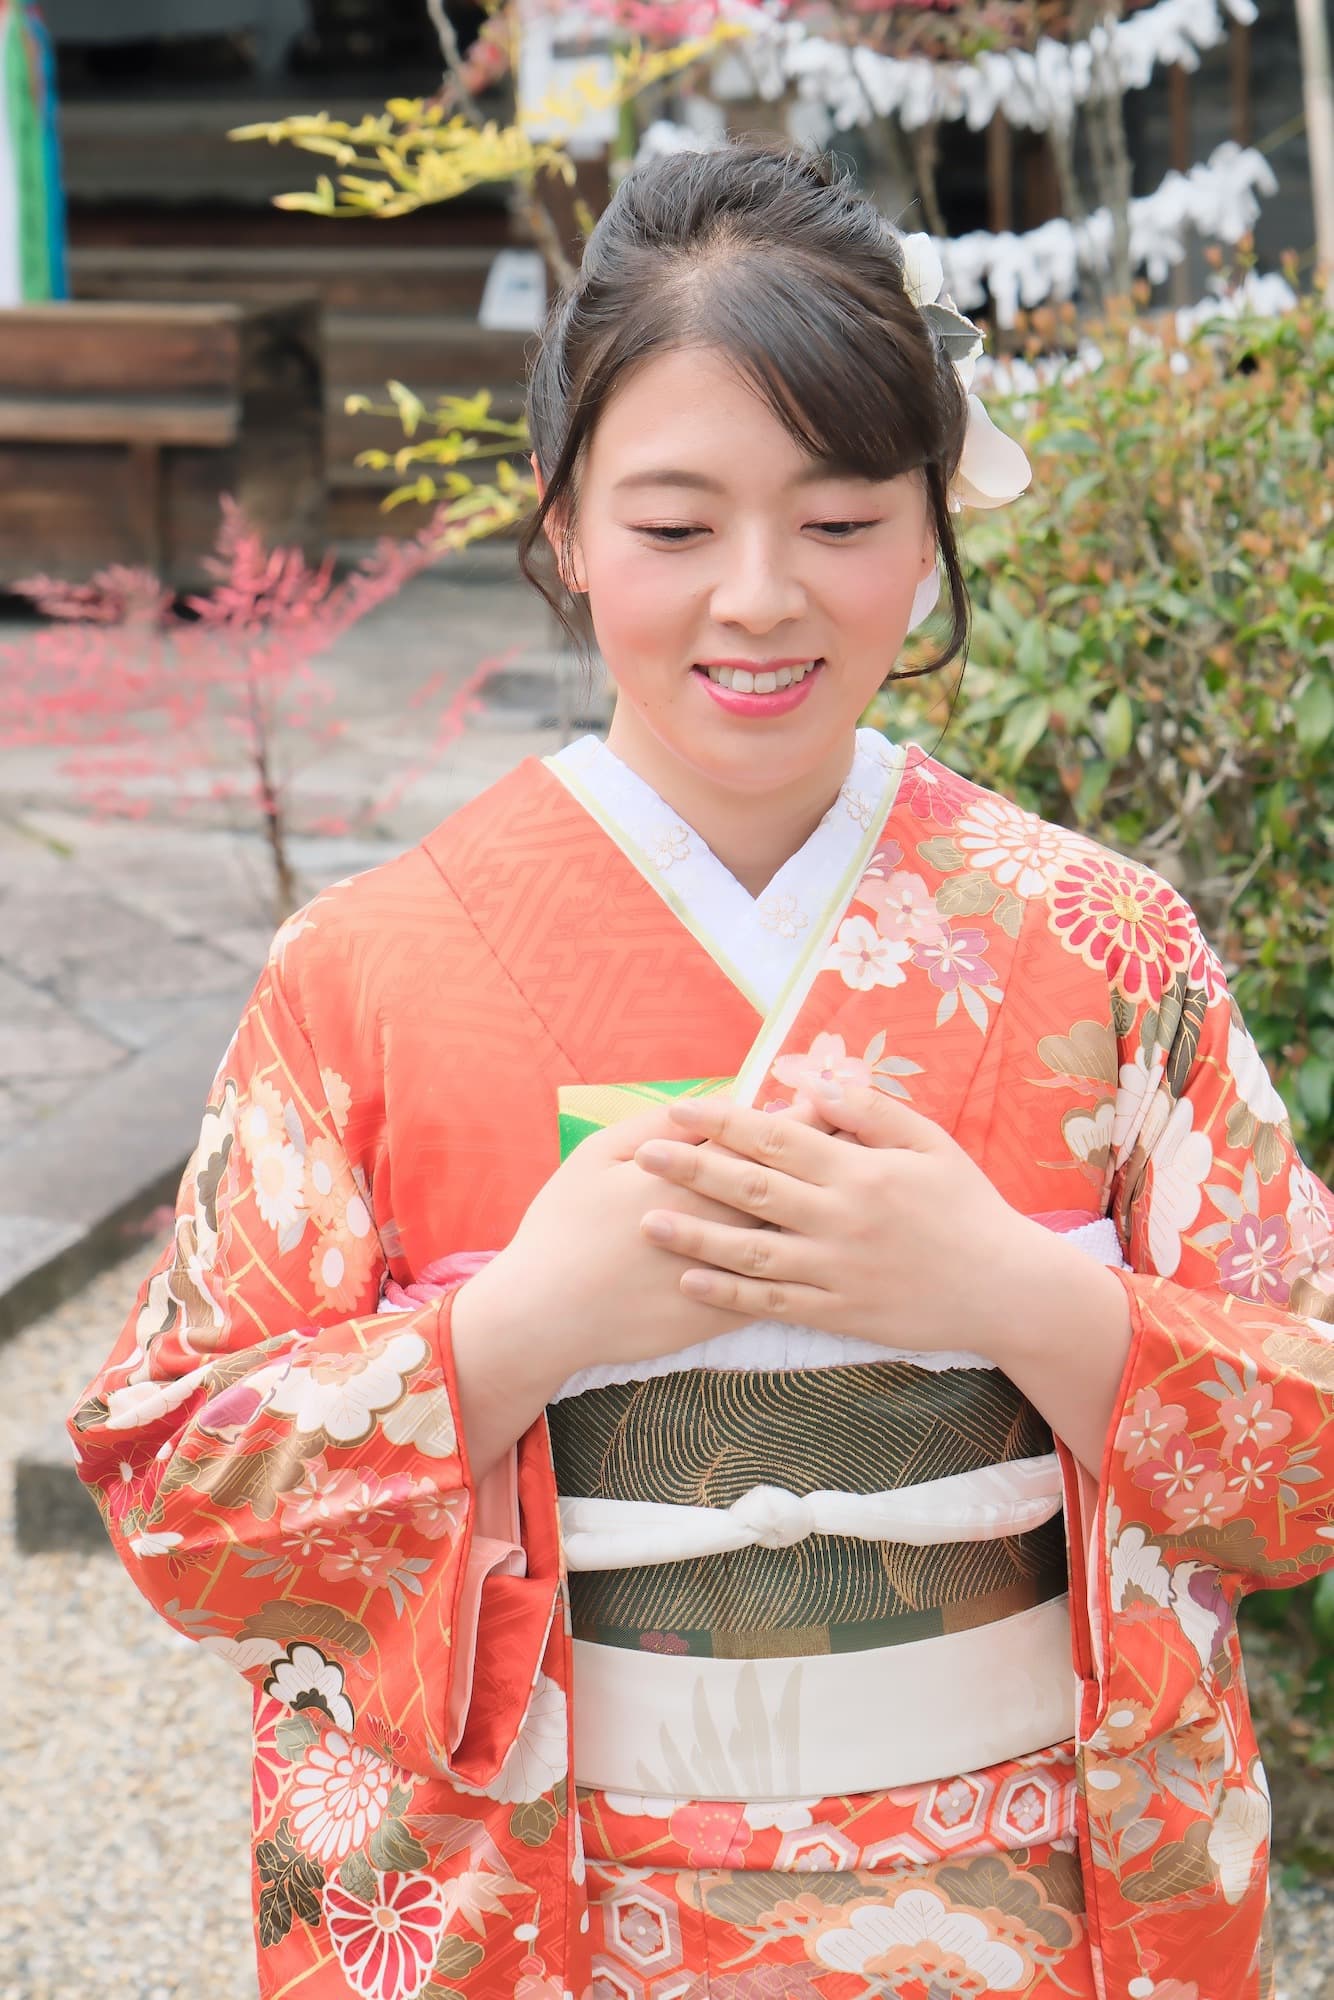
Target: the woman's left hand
pixel 899 1239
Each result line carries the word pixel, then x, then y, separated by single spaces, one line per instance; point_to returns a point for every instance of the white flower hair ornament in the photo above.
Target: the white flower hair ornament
pixel 993 469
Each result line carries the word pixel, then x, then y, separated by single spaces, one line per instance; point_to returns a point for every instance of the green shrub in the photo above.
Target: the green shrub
pixel 1153 653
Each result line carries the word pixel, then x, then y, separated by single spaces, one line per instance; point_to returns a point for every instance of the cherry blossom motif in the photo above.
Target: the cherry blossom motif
pixel 357 1560
pixel 387 1946
pixel 1208 1503
pixel 1124 920
pixel 957 958
pixel 783 915
pixel 1019 851
pixel 1251 1419
pixel 670 844
pixel 904 907
pixel 917 1934
pixel 342 1394
pixel 864 959
pixel 857 806
pixel 1182 1466
pixel 827 1058
pixel 1310 1226
pixel 1255 1474
pixel 1147 1425
pixel 1251 1264
pixel 340 1795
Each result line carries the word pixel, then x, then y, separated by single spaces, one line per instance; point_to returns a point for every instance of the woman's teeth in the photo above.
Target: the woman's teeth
pixel 742 682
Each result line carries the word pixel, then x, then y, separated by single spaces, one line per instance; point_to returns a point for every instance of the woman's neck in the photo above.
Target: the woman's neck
pixel 752 833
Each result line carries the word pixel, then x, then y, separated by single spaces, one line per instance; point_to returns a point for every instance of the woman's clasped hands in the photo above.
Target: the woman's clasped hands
pixel 899 1239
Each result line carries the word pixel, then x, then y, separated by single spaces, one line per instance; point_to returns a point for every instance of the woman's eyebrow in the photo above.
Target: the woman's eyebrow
pixel 671 475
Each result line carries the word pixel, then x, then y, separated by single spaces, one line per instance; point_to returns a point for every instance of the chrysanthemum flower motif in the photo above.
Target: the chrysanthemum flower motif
pixel 918 1935
pixel 539 1756
pixel 259 1124
pixel 387 1946
pixel 1017 849
pixel 342 1394
pixel 339 1796
pixel 303 1678
pixel 1122 920
pixel 277 1180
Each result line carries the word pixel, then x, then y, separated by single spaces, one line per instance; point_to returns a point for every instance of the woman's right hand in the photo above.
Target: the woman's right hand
pixel 578 1284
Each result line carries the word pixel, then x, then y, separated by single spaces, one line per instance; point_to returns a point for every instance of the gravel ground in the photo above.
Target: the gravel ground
pixel 125 1754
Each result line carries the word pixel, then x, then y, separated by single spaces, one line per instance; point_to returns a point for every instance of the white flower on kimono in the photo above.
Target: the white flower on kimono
pixel 260 1122
pixel 864 959
pixel 1182 1160
pixel 857 806
pixel 387 1947
pixel 141 1403
pixel 1239 1833
pixel 1255 1086
pixel 303 1678
pixel 1137 1084
pixel 669 844
pixel 339 1796
pixel 217 1135
pixel 154 1543
pixel 424 1419
pixel 904 906
pixel 917 1934
pixel 343 1394
pixel 538 1758
pixel 785 1815
pixel 1137 1567
pixel 247 1654
pixel 827 1058
pixel 278 1178
pixel 1019 851
pixel 784 915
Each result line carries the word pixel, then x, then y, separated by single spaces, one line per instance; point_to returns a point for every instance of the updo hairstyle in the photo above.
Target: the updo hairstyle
pixel 772 255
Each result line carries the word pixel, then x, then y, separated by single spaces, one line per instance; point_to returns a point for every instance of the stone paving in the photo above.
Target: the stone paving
pixel 127 947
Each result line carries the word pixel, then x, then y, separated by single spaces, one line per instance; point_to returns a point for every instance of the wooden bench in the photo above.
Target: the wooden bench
pixel 121 425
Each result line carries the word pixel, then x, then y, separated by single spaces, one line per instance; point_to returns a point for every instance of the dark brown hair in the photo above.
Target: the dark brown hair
pixel 771 254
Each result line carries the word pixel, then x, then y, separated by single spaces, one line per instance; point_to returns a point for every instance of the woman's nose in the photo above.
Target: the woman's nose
pixel 756 591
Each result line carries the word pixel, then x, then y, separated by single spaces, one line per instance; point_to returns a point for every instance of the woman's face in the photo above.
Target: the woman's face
pixel 706 535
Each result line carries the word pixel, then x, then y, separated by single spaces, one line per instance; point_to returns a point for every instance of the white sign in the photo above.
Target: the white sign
pixel 514 298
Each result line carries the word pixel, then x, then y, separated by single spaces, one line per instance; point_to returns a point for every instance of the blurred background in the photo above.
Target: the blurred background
pixel 270 272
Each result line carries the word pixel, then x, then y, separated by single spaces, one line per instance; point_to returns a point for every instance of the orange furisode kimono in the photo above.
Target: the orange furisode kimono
pixel 281 1466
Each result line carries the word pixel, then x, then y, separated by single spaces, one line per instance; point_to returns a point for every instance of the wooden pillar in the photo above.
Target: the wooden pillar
pixel 1000 175
pixel 1239 62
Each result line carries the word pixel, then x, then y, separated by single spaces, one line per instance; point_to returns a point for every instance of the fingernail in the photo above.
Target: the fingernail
pixel 654 1153
pixel 826 1090
pixel 657 1228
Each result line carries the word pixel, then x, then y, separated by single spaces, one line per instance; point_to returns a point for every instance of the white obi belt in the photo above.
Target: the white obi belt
pixel 683 1726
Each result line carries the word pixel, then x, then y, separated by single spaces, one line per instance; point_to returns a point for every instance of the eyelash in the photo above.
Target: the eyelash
pixel 675 537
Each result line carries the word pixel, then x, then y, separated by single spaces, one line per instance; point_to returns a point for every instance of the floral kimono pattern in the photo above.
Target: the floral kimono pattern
pixel 283 1472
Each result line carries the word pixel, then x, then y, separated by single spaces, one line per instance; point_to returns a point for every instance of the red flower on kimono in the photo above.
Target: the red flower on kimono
pixel 714 1835
pixel 1182 1466
pixel 1252 1264
pixel 1251 1419
pixel 1149 1424
pixel 1124 920
pixel 387 1947
pixel 1206 1504
pixel 957 958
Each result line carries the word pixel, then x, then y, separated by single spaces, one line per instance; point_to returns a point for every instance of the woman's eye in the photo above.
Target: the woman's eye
pixel 842 531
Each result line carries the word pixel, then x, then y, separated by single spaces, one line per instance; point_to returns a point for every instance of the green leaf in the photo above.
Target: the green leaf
pixel 1031 653
pixel 1024 728
pixel 358 1878
pixel 393 1848
pixel 1315 1088
pixel 1118 726
pixel 1322 1607
pixel 1314 711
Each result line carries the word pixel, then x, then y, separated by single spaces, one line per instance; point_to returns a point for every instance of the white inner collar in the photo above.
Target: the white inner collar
pixel 763 935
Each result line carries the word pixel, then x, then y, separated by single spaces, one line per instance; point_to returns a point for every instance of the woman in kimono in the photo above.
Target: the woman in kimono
pixel 678 1552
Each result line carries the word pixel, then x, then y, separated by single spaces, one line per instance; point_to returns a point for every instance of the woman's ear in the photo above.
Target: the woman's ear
pixel 554 535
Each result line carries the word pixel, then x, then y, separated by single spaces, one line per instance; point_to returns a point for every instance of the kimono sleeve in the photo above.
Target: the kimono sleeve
pixel 287 1484
pixel 1224 1439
